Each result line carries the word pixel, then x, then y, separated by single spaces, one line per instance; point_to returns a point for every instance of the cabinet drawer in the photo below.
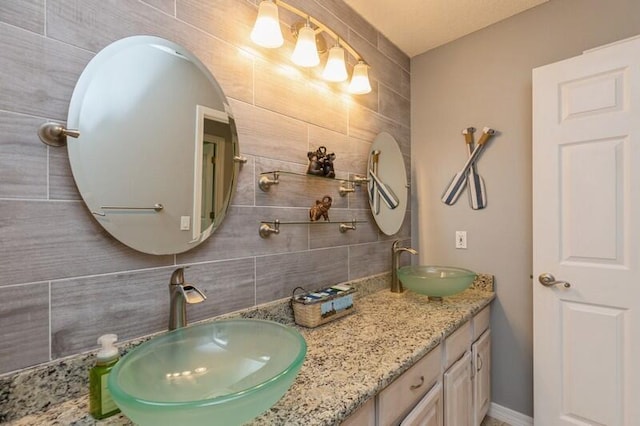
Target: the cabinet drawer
pixel 396 400
pixel 481 322
pixel 456 344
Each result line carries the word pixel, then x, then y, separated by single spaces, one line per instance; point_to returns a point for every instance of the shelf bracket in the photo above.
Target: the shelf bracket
pixel 345 188
pixel 266 229
pixel 265 182
pixel 344 227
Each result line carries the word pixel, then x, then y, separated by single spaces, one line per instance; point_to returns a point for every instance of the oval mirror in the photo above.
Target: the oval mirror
pixel 387 187
pixel 155 159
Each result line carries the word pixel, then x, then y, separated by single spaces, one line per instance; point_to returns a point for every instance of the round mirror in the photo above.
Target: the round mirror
pixel 155 159
pixel 387 188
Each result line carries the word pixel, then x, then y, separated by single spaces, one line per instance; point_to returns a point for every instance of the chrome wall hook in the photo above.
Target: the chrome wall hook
pixel 55 134
pixel 265 182
pixel 266 229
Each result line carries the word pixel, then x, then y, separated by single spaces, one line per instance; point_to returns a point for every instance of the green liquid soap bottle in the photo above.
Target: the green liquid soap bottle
pixel 100 403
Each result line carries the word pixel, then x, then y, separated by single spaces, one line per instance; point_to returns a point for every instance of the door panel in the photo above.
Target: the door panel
pixel 602 375
pixel 586 231
pixel 592 210
pixel 458 404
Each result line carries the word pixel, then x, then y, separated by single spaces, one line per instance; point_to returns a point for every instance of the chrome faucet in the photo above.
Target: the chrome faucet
pixel 179 295
pixel 396 285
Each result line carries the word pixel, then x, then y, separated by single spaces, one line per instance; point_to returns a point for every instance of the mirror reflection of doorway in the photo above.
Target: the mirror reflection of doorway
pixel 216 149
pixel 212 179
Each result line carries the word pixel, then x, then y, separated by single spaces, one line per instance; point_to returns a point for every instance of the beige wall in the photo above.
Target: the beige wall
pixel 484 79
pixel 64 281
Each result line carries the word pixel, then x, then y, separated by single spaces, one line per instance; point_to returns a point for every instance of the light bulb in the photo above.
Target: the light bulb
pixel 360 79
pixel 266 31
pixel 335 70
pixel 305 53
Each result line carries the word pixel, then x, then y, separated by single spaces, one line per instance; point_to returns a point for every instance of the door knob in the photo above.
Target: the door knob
pixel 549 280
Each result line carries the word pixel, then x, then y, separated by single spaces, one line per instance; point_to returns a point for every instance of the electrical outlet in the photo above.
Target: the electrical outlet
pixel 461 239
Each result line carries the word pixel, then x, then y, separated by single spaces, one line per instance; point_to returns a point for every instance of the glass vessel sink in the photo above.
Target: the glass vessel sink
pixel 435 281
pixel 221 373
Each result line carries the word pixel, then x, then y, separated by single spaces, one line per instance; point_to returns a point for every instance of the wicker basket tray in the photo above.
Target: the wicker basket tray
pixel 311 309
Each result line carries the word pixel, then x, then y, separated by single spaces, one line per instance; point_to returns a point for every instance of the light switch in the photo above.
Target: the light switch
pixel 185 223
pixel 461 239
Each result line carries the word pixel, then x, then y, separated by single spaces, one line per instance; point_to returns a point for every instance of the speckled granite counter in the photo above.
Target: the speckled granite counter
pixel 348 361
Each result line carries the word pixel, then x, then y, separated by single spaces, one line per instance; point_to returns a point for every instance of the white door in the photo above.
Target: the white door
pixel 458 404
pixel 586 232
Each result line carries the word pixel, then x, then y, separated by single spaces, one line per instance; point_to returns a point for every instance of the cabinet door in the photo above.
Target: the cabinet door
pixel 429 411
pixel 481 352
pixel 458 404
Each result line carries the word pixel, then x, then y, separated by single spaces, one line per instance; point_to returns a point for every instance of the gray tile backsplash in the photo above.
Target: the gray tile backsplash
pixel 64 280
pixel 27 14
pixel 24 325
pixel 38 74
pixel 23 158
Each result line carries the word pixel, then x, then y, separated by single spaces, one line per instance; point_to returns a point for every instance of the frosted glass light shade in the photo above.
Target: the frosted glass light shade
pixel 266 31
pixel 305 53
pixel 360 79
pixel 335 70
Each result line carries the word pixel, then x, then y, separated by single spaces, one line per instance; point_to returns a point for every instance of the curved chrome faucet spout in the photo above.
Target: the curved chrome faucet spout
pixel 181 294
pixel 396 285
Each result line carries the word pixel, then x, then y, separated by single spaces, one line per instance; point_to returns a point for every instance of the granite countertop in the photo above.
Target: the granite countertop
pixel 348 361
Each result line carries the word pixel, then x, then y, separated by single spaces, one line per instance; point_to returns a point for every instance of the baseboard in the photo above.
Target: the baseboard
pixel 507 415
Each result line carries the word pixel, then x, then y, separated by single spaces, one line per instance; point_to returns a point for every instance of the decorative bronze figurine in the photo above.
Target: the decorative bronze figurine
pixel 321 163
pixel 320 209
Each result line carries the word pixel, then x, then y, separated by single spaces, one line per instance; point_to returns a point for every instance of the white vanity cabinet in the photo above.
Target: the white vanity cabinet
pixel 397 400
pixel 481 353
pixel 450 386
pixel 458 396
pixel 467 377
pixel 458 389
pixel 429 411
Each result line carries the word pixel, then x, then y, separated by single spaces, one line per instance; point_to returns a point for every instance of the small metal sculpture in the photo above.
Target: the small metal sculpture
pixel 321 163
pixel 320 209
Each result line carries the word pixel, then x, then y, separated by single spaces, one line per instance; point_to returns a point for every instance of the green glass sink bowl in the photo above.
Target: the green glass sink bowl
pixel 221 373
pixel 435 281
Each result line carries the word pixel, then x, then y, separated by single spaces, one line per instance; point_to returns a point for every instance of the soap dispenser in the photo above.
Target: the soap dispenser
pixel 100 403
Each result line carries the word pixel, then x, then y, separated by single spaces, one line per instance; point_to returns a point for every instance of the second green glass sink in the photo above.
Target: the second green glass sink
pixel 436 281
pixel 221 373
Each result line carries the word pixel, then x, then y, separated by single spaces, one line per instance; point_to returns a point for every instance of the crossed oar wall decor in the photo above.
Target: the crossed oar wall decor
pixel 468 176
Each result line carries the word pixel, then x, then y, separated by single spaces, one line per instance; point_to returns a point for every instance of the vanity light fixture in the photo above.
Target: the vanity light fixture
pixel 266 31
pixel 310 44
pixel 336 69
pixel 360 80
pixel 305 53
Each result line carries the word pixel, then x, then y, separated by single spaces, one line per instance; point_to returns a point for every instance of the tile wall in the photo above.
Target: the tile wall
pixel 64 281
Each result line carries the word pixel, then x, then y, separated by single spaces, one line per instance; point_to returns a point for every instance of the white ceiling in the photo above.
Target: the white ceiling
pixel 416 26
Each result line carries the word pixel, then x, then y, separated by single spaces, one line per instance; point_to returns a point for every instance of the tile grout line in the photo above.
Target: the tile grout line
pixel 50 325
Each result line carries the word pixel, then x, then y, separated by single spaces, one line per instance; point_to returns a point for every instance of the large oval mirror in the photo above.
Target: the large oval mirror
pixel 387 188
pixel 155 159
